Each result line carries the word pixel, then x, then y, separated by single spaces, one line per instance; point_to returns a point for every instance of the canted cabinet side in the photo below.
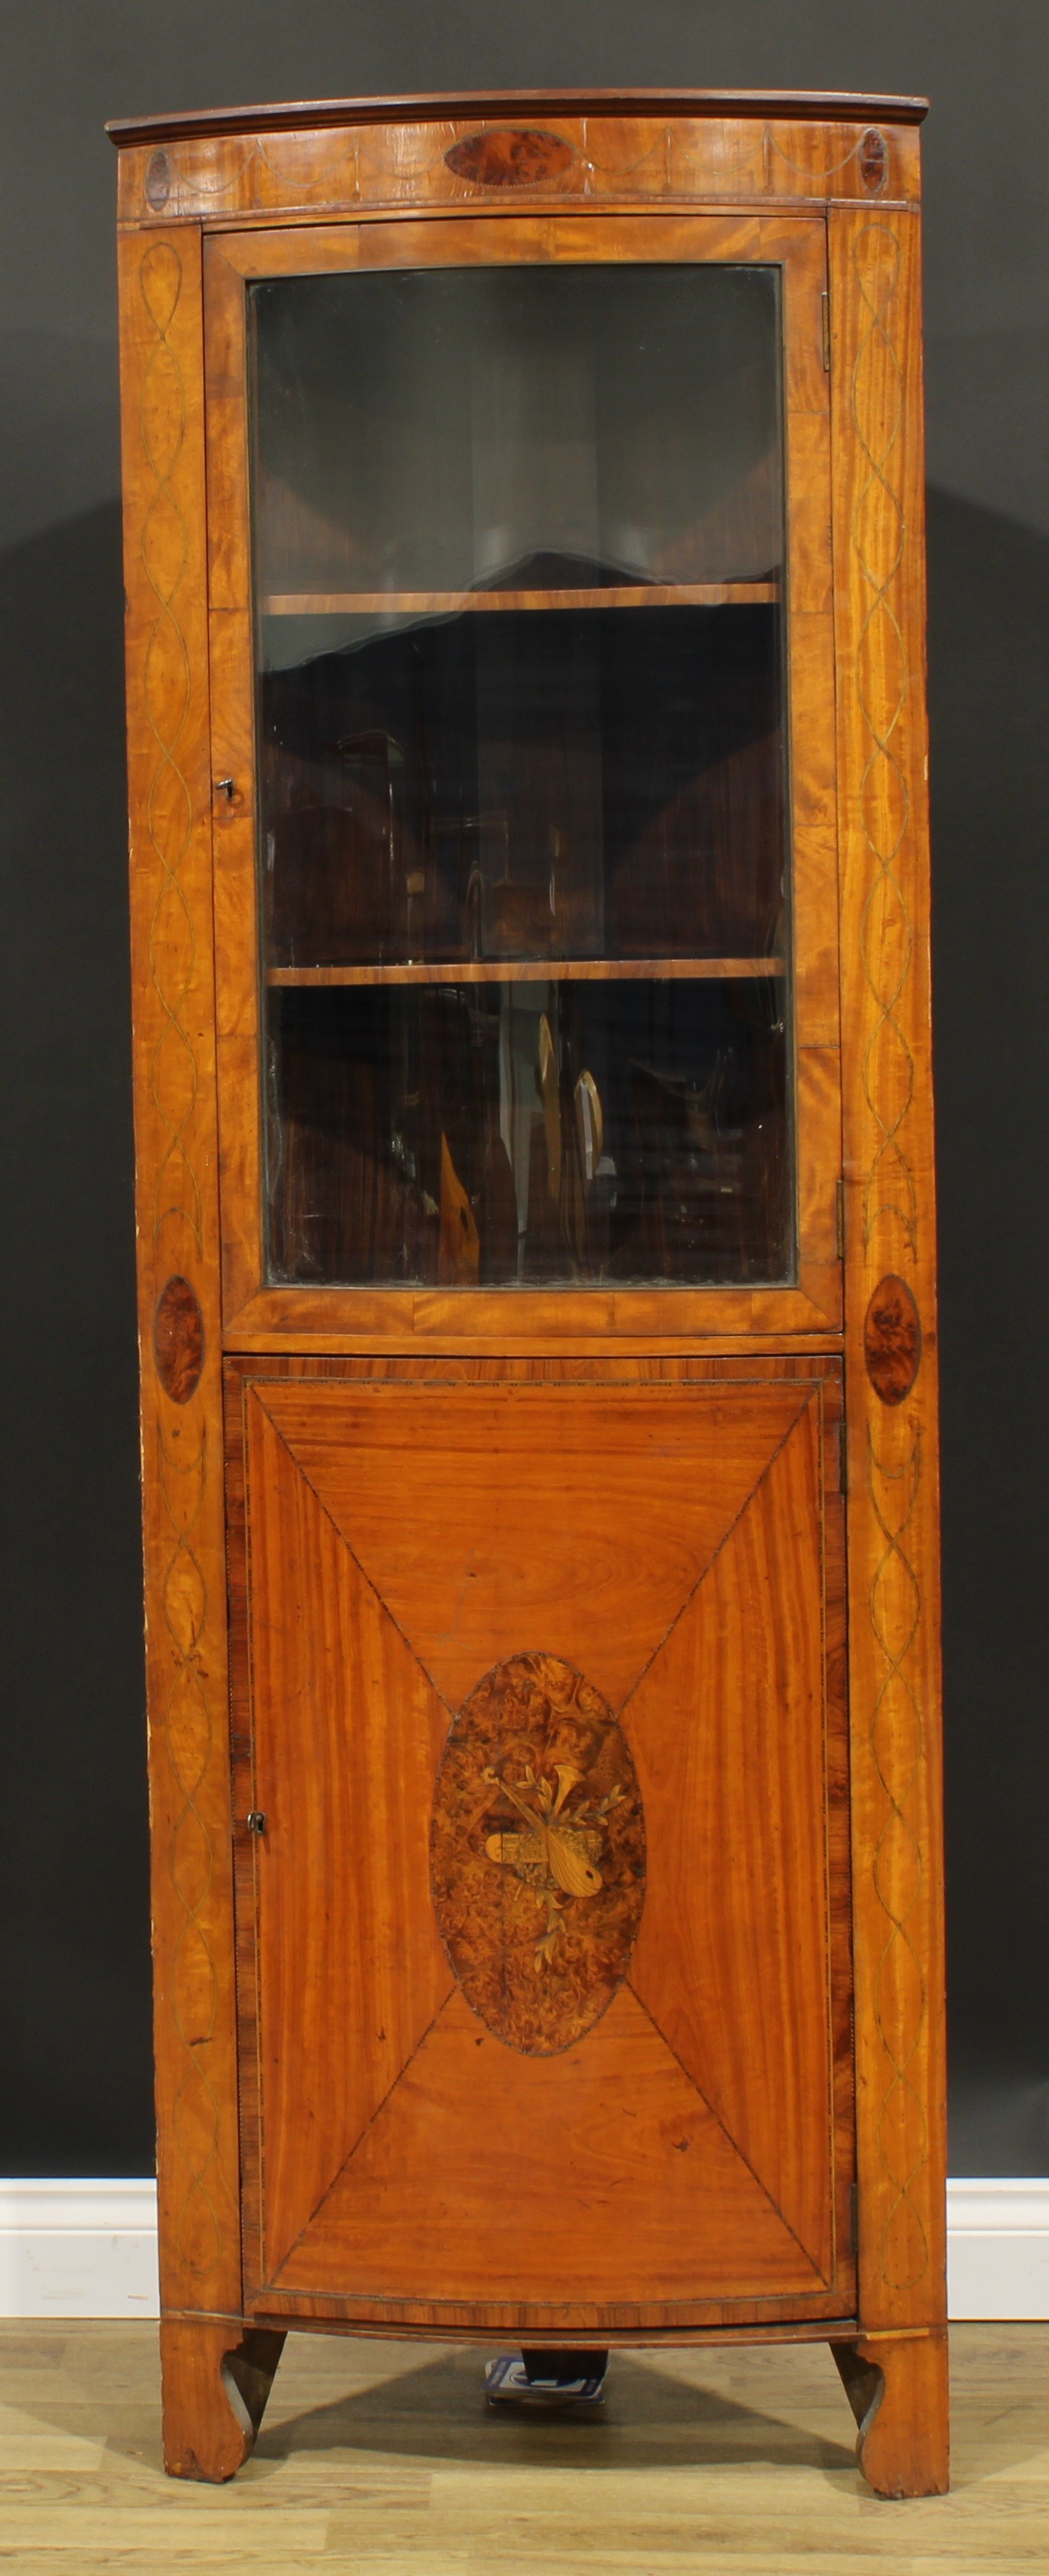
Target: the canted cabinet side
pixel 890 1266
pixel 178 1267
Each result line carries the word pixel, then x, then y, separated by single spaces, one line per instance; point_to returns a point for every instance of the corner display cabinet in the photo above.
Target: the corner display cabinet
pixel 536 1238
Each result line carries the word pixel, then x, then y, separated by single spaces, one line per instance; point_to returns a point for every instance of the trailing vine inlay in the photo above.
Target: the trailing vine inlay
pixel 882 682
pixel 185 1717
pixel 896 1732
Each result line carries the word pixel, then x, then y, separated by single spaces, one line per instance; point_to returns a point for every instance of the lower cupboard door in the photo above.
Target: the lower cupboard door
pixel 544 1945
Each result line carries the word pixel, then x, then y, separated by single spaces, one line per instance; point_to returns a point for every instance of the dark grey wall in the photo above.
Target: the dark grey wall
pixel 73 1944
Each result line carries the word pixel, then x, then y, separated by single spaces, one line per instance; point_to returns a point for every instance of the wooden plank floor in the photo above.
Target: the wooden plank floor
pixel 373 2456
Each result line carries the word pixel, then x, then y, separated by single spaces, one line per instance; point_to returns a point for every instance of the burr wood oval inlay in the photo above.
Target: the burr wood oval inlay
pixel 178 1340
pixel 158 180
pixel 510 156
pixel 873 160
pixel 892 1340
pixel 538 1853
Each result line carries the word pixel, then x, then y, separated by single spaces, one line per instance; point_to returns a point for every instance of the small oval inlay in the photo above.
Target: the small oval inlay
pixel 158 180
pixel 510 156
pixel 873 160
pixel 892 1340
pixel 178 1340
pixel 537 1853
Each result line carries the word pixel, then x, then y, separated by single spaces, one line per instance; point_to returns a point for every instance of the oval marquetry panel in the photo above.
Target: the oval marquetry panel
pixel 537 1853
pixel 158 180
pixel 178 1340
pixel 510 156
pixel 892 1340
pixel 873 160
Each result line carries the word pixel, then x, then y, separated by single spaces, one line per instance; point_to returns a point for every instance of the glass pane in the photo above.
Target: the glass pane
pixel 454 429
pixel 532 1132
pixel 537 783
pixel 524 866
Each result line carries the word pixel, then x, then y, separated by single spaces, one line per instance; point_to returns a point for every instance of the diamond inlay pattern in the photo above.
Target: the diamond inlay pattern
pixel 398 2180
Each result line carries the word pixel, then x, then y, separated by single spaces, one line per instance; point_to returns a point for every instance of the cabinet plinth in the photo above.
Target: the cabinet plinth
pixel 536 1236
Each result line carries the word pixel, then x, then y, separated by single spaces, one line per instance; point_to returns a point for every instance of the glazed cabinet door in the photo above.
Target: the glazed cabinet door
pixel 523 740
pixel 543 1916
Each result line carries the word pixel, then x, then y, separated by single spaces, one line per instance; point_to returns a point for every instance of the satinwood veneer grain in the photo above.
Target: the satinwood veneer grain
pixel 429 1491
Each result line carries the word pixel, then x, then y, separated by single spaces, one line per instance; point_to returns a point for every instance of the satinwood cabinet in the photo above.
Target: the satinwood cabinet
pixel 528 823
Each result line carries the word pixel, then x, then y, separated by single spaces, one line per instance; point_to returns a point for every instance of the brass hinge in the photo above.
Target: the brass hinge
pixel 839 1219
pixel 854 2218
pixel 825 302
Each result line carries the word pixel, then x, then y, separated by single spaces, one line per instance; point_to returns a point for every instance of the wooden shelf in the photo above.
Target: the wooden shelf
pixel 538 970
pixel 451 603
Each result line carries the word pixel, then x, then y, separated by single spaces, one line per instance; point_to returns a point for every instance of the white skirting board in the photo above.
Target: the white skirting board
pixel 998 2249
pixel 78 2249
pixel 89 2249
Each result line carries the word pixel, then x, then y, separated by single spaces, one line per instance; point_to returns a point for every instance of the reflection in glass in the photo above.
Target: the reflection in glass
pixel 528 1133
pixel 523 851
pixel 460 429
pixel 551 783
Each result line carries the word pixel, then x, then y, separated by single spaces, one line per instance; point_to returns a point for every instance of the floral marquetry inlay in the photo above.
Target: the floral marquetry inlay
pixel 538 1853
pixel 491 1997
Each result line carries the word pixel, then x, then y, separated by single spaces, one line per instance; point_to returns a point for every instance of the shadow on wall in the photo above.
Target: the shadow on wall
pixel 74 1939
pixel 989 688
pixel 75 2047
